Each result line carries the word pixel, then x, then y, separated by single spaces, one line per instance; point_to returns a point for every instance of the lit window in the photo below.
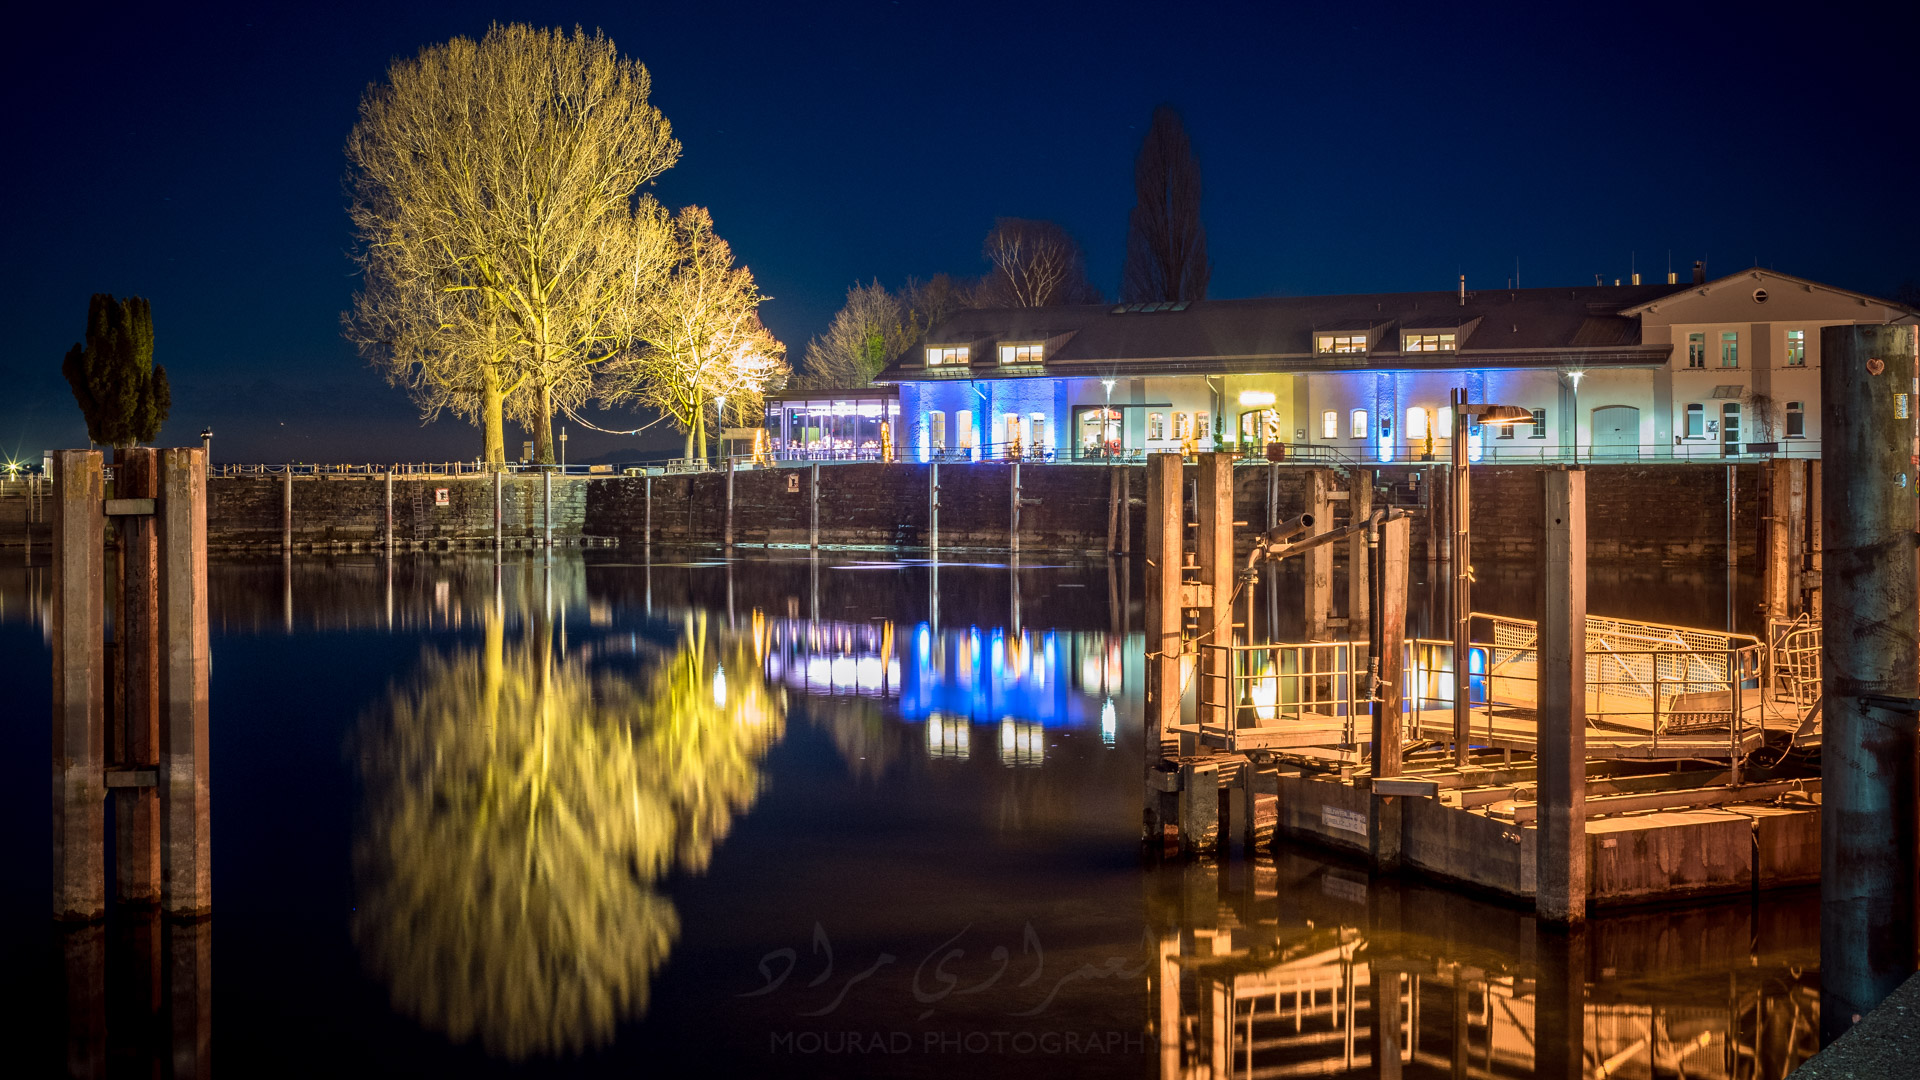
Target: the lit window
pixel 946 354
pixel 1504 431
pixel 937 430
pixel 1730 348
pixel 1796 348
pixel 1429 343
pixel 1359 425
pixel 1343 343
pixel 1200 428
pixel 1416 423
pixel 1443 426
pixel 1696 421
pixel 1019 354
pixel 1796 420
pixel 1182 426
pixel 1539 424
pixel 1696 350
pixel 1330 424
pixel 1156 425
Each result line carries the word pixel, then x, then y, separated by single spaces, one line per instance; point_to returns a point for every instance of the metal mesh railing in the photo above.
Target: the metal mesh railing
pixel 1264 686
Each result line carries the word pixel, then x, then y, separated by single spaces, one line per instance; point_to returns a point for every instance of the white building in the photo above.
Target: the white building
pixel 1673 371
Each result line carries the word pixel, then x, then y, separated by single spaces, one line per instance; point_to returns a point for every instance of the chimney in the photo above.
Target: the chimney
pixel 1699 272
pixel 1673 278
pixel 1463 290
pixel 1636 277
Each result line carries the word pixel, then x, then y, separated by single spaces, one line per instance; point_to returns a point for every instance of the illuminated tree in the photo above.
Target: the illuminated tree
pixel 1166 243
pixel 698 336
pixel 124 397
pixel 501 234
pixel 876 326
pixel 520 810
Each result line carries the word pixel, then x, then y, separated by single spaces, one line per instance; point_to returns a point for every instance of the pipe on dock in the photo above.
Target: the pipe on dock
pixel 1870 671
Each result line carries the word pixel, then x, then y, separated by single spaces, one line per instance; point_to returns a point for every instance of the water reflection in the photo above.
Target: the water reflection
pixel 521 808
pixel 1300 967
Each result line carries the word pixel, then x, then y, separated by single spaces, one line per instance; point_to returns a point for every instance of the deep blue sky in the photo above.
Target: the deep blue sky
pixel 194 157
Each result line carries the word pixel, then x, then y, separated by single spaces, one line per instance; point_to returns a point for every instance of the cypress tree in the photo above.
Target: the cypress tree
pixel 124 397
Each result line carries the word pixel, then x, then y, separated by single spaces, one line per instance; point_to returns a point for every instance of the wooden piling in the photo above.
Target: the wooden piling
pixel 933 511
pixel 79 686
pixel 1870 672
pixel 137 682
pixel 186 886
pixel 1359 588
pixel 286 511
pixel 1775 547
pixel 499 481
pixel 1214 552
pixel 646 533
pixel 387 478
pixel 813 510
pixel 546 505
pixel 1113 509
pixel 1165 523
pixel 1126 510
pixel 1390 549
pixel 1561 844
pixel 728 536
pixel 1319 561
pixel 1013 512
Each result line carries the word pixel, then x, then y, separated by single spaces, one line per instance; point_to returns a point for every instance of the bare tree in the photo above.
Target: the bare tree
pixel 1035 264
pixel 865 335
pixel 698 337
pixel 494 198
pixel 1166 243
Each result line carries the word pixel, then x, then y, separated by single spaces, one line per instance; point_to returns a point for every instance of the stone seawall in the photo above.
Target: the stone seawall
pixel 333 511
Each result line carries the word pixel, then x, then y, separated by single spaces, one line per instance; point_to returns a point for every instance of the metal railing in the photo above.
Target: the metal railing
pixel 1263 686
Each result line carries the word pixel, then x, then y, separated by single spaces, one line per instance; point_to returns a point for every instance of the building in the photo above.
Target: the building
pixel 1673 371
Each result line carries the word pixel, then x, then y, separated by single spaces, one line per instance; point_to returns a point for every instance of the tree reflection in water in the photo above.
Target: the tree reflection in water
pixel 519 811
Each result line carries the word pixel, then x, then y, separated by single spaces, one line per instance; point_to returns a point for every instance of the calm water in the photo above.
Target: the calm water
pixel 613 816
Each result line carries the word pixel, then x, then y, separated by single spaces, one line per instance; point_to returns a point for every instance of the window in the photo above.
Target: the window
pixel 1359 423
pixel 1343 343
pixel 1156 426
pixel 1504 431
pixel 1429 342
pixel 937 430
pixel 1539 425
pixel 1443 426
pixel 1730 348
pixel 1796 348
pixel 1796 420
pixel 946 354
pixel 1019 354
pixel 1200 428
pixel 1696 350
pixel 1416 423
pixel 1329 425
pixel 1182 426
pixel 1696 421
pixel 963 429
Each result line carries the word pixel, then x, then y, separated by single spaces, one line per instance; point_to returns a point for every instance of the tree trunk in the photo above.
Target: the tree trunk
pixel 492 434
pixel 543 427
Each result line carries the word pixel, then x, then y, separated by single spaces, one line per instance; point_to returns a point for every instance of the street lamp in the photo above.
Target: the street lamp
pixel 563 448
pixel 206 444
pixel 1465 415
pixel 1106 414
pixel 1574 377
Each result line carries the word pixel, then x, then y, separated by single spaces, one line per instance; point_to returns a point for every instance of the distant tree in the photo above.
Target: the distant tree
pixel 1166 243
pixel 123 396
pixel 501 237
pixel 937 299
pixel 865 335
pixel 1035 264
pixel 698 337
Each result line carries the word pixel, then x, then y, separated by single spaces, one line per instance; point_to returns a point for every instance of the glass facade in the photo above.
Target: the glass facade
pixel 843 425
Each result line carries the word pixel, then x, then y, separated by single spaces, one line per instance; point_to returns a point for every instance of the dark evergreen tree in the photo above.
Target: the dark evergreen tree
pixel 1166 243
pixel 124 397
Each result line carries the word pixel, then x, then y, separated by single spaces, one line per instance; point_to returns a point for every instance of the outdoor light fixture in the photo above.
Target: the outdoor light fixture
pixel 1574 377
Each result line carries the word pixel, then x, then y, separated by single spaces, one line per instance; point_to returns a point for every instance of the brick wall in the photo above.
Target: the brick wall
pixel 246 511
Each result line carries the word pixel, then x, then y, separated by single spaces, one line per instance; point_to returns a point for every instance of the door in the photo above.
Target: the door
pixel 1616 432
pixel 1729 429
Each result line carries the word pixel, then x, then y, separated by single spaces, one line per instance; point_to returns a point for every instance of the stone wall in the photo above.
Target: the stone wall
pixel 333 510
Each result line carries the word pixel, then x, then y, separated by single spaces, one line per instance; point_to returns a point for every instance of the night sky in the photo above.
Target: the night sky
pixel 194 157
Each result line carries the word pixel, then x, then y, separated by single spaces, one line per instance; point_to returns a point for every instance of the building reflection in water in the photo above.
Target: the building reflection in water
pixel 521 809
pixel 1298 967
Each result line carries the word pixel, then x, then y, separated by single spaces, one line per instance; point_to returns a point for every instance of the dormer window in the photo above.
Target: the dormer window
pixel 1019 354
pixel 942 355
pixel 1343 343
pixel 1429 342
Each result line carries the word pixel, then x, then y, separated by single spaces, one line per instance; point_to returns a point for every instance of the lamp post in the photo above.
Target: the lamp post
pixel 1465 413
pixel 206 443
pixel 1106 414
pixel 1574 377
pixel 563 448
pixel 720 422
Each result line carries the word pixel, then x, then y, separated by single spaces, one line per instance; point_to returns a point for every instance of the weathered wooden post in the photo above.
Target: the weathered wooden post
pixel 387 478
pixel 1165 523
pixel 499 482
pixel 186 885
pixel 1390 545
pixel 1126 510
pixel 813 507
pixel 190 980
pixel 1113 509
pixel 1870 672
pixel 1561 660
pixel 79 686
pixel 1776 549
pixel 1359 587
pixel 546 505
pixel 286 511
pixel 1319 561
pixel 1214 548
pixel 646 534
pixel 1815 535
pixel 135 723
